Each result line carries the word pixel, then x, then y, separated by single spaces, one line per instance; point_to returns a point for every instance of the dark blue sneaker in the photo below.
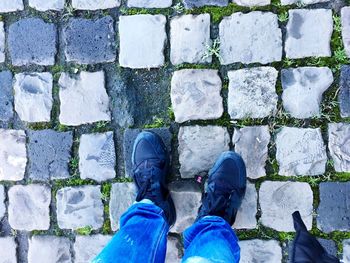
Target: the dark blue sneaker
pixel 226 188
pixel 150 162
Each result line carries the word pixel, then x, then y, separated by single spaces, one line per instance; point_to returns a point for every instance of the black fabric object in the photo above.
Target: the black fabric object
pixel 306 247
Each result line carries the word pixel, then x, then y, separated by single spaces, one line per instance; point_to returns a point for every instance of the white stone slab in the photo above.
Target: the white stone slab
pixel 95 4
pixel 86 248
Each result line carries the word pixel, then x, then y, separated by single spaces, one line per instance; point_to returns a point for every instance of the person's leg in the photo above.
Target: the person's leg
pixel 211 238
pixel 144 227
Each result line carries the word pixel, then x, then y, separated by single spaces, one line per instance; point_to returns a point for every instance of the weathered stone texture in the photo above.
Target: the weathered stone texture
pixel 89 41
pixel 252 93
pixel 199 147
pixel 333 212
pixel 44 5
pixel 6 96
pixel 252 3
pixel 300 151
pixel 150 3
pixel 32 41
pixel 33 96
pixel 97 156
pixel 187 200
pixel 199 3
pixel 79 207
pixel 339 145
pixel 195 95
pixel 345 23
pixel 172 251
pixel 344 92
pixel 86 248
pixel 8 250
pixel 142 41
pixel 244 38
pixel 13 155
pixel 49 154
pixel 346 251
pixel 7 6
pixel 2 42
pixel 303 88
pixel 260 251
pixel 29 207
pixel 309 33
pixel 278 200
pixel 94 4
pixel 246 215
pixel 302 2
pixel 189 39
pixel 49 249
pixel 2 202
pixel 83 98
pixel 123 195
pixel 252 144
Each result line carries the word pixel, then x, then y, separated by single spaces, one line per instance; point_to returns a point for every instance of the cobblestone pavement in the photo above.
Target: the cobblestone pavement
pixel 80 79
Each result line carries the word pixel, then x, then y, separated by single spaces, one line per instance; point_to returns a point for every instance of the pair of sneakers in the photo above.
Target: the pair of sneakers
pixel 224 192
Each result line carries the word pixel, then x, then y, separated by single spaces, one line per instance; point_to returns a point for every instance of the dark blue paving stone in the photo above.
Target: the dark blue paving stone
pixel 198 3
pixel 90 41
pixel 49 153
pixel 334 210
pixel 6 96
pixel 32 41
pixel 344 93
pixel 129 138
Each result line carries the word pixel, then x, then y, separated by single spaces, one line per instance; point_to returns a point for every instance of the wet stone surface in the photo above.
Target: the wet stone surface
pixel 49 153
pixel 339 145
pixel 344 92
pixel 300 151
pixel 303 88
pixel 8 250
pixel 86 248
pixel 6 96
pixel 260 251
pixel 333 212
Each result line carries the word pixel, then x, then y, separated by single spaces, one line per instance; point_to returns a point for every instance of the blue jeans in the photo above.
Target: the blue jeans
pixel 143 236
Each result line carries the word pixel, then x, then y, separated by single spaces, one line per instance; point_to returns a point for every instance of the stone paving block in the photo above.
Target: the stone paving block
pixel 7 6
pixel 123 195
pixel 300 151
pixel 129 138
pixel 2 42
pixel 252 144
pixel 302 2
pixel 345 23
pixel 246 215
pixel 346 251
pixel 333 212
pixel 199 147
pixel 198 90
pixel 172 252
pixel 257 250
pixel 303 88
pixel 49 249
pixel 142 41
pixel 252 93
pixel 309 33
pixel 83 98
pixel 252 3
pixel 29 207
pixel 339 145
pixel 2 202
pixel 6 96
pixel 88 41
pixel 33 96
pixel 95 4
pixel 97 156
pixel 13 155
pixel 344 92
pixel 32 41
pixel 249 38
pixel 189 39
pixel 199 3
pixel 43 5
pixel 278 200
pixel 187 199
pixel 86 248
pixel 150 3
pixel 49 154
pixel 78 207
pixel 8 250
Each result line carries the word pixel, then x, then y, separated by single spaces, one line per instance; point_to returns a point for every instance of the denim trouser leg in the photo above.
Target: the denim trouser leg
pixel 142 237
pixel 211 239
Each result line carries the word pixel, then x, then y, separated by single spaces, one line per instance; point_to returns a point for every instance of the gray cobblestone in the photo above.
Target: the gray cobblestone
pixel 198 90
pixel 140 50
pixel 49 154
pixel 172 252
pixel 199 3
pixel 13 155
pixel 8 250
pixel 2 202
pixel 86 248
pixel 79 207
pixel 252 3
pixel 7 6
pixel 43 5
pixel 345 22
pixel 338 145
pixel 2 42
pixel 278 200
pixel 189 39
pixel 344 92
pixel 94 4
pixel 6 96
pixel 32 41
pixel 260 251
pixel 302 2
pixel 150 3
pixel 309 33
pixel 89 41
pixel 346 251
pixel 33 96
pixel 29 207
pixel 250 42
